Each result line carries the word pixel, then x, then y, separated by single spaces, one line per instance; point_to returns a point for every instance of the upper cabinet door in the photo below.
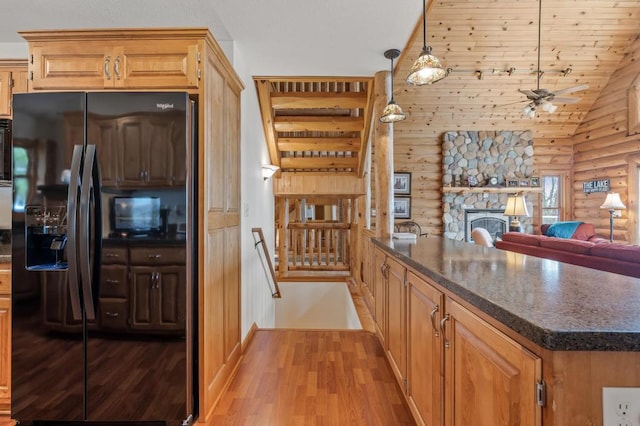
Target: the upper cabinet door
pixel 5 93
pixel 109 65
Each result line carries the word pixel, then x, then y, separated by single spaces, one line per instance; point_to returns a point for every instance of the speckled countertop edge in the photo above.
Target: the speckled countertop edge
pixel 573 323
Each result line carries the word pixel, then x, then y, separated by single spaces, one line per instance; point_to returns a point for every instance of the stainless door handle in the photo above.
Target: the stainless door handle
pixel 72 237
pixel 85 234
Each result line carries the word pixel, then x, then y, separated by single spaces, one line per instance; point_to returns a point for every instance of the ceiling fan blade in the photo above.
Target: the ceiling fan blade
pixel 571 89
pixel 511 103
pixel 565 100
pixel 528 93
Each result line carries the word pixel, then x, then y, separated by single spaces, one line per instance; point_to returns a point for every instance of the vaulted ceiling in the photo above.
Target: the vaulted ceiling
pixel 481 40
pixel 491 50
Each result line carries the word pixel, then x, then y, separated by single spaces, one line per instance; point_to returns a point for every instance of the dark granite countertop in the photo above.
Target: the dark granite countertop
pixel 556 305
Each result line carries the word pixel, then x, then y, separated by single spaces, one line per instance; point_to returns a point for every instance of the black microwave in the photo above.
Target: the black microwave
pixel 5 149
pixel 135 214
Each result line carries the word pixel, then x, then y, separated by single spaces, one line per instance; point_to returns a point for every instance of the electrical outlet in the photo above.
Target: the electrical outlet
pixel 620 406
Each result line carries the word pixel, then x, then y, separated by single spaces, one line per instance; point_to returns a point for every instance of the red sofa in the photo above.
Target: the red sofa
pixel 584 248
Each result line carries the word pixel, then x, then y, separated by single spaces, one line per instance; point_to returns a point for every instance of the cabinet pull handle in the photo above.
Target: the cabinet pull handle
pixel 112 255
pixel 116 67
pixel 445 319
pixel 155 256
pixel 141 174
pixel 382 267
pixel 113 282
pixel 111 314
pixel 107 60
pixel 432 315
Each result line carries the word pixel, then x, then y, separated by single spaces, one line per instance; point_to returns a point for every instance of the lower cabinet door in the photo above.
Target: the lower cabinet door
pixel 490 379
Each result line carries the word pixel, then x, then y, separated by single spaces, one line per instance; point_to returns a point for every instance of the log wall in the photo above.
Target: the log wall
pixel 604 148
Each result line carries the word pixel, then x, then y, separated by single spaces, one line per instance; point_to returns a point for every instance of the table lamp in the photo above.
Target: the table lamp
pixel 613 203
pixel 516 206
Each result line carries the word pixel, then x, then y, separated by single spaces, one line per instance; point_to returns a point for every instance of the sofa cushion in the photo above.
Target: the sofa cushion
pixel 572 246
pixel 562 229
pixel 618 251
pixel 584 232
pixel 520 238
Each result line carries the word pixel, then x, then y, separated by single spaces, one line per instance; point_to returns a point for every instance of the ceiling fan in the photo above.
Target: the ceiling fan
pixel 543 98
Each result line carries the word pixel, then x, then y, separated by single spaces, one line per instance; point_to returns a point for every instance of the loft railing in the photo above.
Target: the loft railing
pixel 318 246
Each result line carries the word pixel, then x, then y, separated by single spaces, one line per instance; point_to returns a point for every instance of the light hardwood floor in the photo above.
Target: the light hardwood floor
pixel 296 377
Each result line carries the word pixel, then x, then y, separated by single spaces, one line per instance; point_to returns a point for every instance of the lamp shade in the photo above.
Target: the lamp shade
pixel 268 170
pixel 426 69
pixel 392 113
pixel 516 206
pixel 613 202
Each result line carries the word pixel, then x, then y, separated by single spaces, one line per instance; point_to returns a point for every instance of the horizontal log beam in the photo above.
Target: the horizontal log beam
pixel 318 163
pixel 311 100
pixel 322 124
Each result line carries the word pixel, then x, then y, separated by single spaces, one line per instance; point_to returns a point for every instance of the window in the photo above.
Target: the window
pixel 20 177
pixel 551 199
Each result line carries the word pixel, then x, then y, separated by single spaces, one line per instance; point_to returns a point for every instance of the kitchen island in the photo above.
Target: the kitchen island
pixel 477 335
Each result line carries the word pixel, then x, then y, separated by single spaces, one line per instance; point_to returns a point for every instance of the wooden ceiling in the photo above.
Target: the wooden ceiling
pixel 321 124
pixel 480 40
pixel 316 124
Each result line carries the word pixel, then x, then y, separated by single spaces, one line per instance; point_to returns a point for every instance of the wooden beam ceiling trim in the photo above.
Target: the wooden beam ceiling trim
pixel 323 124
pixel 319 163
pixel 319 144
pixel 264 92
pixel 304 100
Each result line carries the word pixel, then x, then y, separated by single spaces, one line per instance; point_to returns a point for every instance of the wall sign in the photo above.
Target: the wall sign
pixel 601 185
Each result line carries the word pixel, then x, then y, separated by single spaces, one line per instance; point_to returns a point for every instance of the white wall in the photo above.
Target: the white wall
pixel 257 204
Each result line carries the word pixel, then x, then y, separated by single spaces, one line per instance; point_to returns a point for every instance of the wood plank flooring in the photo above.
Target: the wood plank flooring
pixel 299 377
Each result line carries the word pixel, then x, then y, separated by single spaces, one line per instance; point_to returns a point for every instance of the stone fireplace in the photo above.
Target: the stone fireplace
pixel 504 155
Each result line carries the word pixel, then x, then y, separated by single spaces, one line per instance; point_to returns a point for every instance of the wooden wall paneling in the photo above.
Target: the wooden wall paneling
pixel 632 199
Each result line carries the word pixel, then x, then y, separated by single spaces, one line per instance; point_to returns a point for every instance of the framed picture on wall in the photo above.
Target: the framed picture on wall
pixel 512 183
pixel 402 183
pixel 402 207
pixel 535 181
pixel 524 182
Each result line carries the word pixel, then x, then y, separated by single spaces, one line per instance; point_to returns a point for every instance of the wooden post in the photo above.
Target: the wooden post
pixel 383 139
pixel 283 265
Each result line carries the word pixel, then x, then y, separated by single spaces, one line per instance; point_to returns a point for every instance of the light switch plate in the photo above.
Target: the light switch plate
pixel 620 406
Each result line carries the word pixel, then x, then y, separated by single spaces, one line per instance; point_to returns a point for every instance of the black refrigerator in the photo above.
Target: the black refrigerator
pixel 103 247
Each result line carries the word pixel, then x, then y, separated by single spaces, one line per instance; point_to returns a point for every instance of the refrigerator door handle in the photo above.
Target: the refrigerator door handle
pixel 90 228
pixel 72 236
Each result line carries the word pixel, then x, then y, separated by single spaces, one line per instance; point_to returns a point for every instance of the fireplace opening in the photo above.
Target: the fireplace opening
pixel 493 220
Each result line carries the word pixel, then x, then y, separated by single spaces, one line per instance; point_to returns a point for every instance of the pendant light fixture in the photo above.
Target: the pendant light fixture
pixel 426 69
pixel 392 112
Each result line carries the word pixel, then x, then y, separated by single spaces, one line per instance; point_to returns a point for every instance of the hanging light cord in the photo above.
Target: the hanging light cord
pixel 392 80
pixel 424 24
pixel 539 31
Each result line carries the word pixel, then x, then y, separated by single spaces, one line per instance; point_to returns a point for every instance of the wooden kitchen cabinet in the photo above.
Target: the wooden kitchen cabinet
pixel 396 335
pixel 379 292
pixel 158 289
pixel 113 307
pixel 13 79
pixel 100 63
pixel 490 379
pixel 56 303
pixel 5 338
pixel 425 379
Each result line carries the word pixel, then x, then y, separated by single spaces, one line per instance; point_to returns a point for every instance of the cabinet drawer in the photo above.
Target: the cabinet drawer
pixel 158 255
pixel 114 281
pixel 113 314
pixel 5 281
pixel 114 255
